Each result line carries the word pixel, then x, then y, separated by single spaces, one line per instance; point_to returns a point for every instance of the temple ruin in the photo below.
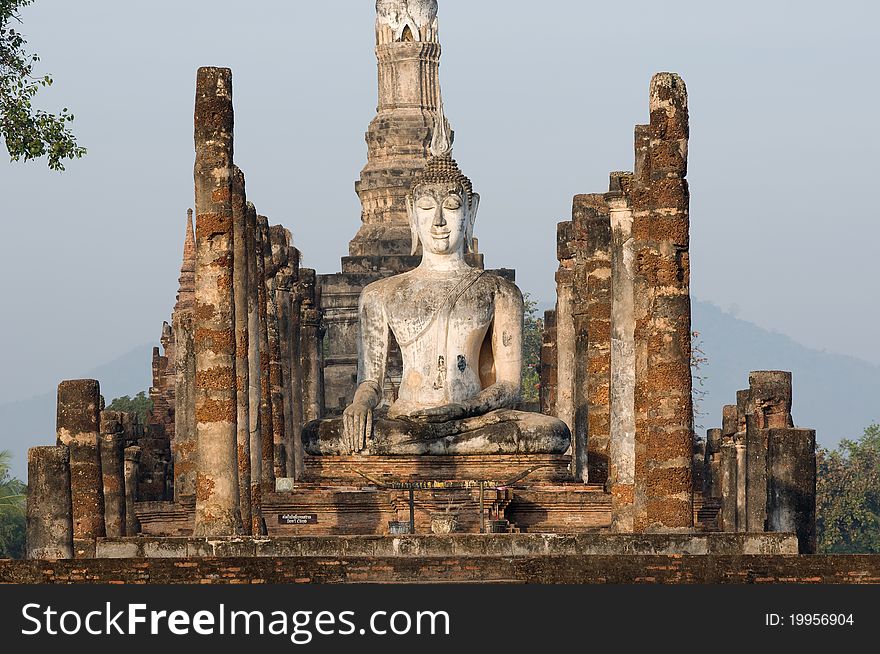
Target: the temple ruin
pixel 260 356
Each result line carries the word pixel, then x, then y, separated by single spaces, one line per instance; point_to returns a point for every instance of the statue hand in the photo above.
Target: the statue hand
pixel 444 413
pixel 357 422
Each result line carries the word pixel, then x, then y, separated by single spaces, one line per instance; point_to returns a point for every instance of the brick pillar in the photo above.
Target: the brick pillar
pixel 282 284
pixel 664 412
pixel 49 523
pixel 113 473
pixel 310 348
pixel 296 381
pixel 549 374
pixel 184 445
pixel 592 228
pixel 217 498
pixel 267 446
pixel 272 256
pixel 242 344
pixel 792 485
pixel 254 373
pixel 132 472
pixel 78 426
pixel 293 370
pixel 566 345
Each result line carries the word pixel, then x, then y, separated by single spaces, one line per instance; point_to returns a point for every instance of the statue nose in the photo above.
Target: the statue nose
pixel 439 220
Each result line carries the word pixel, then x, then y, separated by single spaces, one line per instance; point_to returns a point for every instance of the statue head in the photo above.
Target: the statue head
pixel 442 207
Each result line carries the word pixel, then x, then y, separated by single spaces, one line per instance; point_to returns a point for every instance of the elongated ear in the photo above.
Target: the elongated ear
pixel 411 214
pixel 472 218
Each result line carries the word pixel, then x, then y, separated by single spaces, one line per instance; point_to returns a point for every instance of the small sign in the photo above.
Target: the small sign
pixel 297 518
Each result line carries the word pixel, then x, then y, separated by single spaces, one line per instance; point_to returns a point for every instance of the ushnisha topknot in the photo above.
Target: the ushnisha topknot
pixel 441 167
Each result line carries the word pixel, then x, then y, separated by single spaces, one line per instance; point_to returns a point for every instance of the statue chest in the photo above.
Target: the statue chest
pixel 425 318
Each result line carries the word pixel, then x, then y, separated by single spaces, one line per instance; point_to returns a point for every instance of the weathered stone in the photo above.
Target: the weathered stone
pixel 549 362
pixel 663 403
pixel 272 255
pixel 792 485
pixel 712 485
pixel 623 426
pixel 739 445
pixel 255 422
pixel 770 398
pixel 242 344
pixel 113 472
pixel 267 449
pixel 592 230
pixel 217 492
pixel 131 471
pixel 756 474
pixel 184 444
pixel 49 510
pixel 78 427
pixel 728 485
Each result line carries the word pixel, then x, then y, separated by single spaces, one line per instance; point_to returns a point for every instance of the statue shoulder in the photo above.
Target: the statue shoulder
pixel 503 286
pixel 379 292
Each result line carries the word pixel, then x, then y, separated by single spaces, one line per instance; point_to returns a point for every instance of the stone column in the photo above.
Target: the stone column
pixel 273 257
pixel 770 395
pixel 664 412
pixel 728 485
pixel 217 497
pixel 254 372
pixel 49 523
pixel 310 348
pixel 283 282
pixel 566 346
pixel 712 487
pixel 242 345
pixel 267 448
pixel 184 445
pixel 623 427
pixel 729 428
pixel 131 471
pixel 294 337
pixel 592 227
pixel 792 485
pixel 756 475
pixel 549 373
pixel 739 445
pixel 113 473
pixel 78 426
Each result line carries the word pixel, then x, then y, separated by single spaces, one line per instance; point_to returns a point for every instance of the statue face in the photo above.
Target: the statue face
pixel 441 218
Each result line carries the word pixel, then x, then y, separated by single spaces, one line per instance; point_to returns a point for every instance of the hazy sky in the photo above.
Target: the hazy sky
pixel 783 154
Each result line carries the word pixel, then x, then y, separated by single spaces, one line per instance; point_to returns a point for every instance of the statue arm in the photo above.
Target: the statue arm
pixel 507 337
pixel 372 354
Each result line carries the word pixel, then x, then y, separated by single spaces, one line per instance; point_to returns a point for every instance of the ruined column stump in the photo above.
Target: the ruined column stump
pixel 49 522
pixel 792 485
pixel 113 473
pixel 78 425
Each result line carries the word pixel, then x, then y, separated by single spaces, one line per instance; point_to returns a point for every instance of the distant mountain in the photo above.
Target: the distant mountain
pixel 27 423
pixel 836 395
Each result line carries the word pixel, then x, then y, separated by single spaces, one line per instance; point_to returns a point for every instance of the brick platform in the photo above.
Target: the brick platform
pixel 598 569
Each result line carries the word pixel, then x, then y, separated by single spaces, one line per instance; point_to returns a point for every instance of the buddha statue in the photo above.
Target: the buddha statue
pixel 459 330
